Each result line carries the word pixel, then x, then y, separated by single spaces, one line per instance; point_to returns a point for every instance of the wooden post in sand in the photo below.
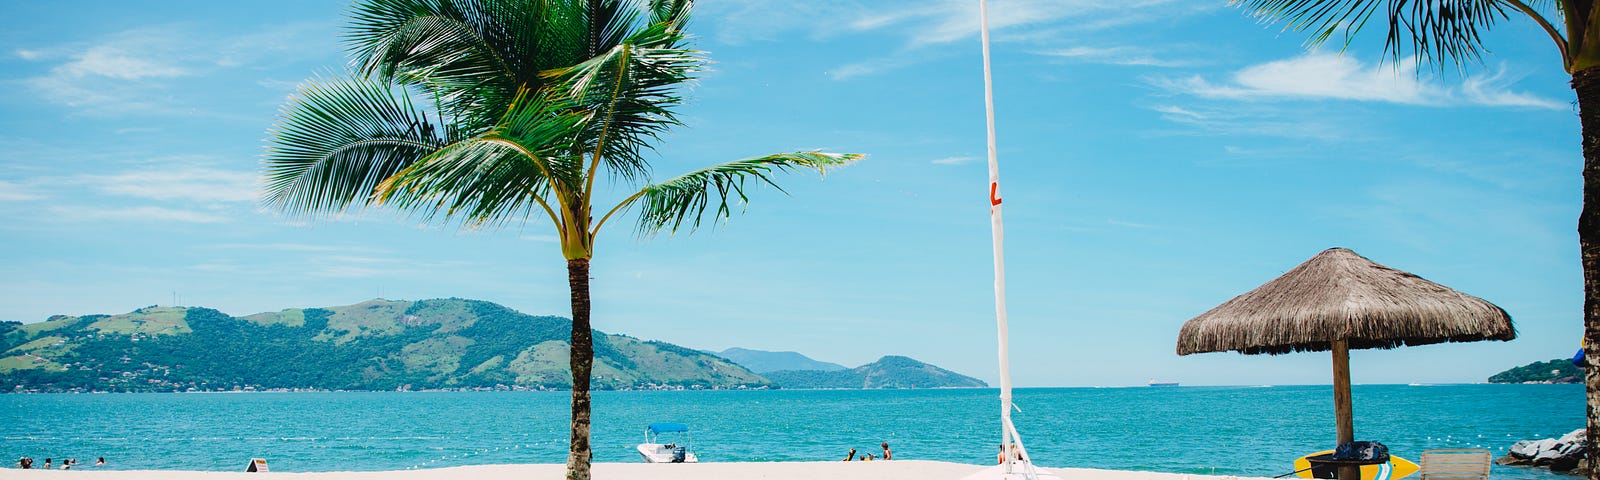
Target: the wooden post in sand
pixel 1342 409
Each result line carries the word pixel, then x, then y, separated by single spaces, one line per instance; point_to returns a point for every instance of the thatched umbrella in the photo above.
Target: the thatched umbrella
pixel 1336 301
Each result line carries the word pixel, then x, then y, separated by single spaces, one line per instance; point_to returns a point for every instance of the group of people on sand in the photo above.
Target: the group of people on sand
pixel 66 463
pixel 867 457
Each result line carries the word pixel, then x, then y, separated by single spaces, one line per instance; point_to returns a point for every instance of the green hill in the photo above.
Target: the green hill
pixel 373 345
pixel 1560 370
pixel 761 361
pixel 888 372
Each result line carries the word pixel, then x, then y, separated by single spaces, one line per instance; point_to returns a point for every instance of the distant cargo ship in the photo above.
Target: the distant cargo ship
pixel 1155 383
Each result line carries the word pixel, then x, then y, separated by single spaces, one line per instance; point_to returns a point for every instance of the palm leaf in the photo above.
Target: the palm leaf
pixel 1437 31
pixel 337 140
pixel 683 200
pixel 473 55
pixel 496 176
pixel 630 90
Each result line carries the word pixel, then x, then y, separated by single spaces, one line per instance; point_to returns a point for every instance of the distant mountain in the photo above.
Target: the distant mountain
pixel 1560 370
pixel 887 372
pixel 373 345
pixel 761 361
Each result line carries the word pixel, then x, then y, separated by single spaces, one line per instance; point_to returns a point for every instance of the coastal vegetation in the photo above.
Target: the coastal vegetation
pixel 1451 33
pixel 1560 370
pixel 438 344
pixel 374 345
pixel 488 112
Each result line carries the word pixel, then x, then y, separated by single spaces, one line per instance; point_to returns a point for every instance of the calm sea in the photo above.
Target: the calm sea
pixel 1253 431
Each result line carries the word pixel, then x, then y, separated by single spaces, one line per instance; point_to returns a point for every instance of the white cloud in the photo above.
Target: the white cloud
pixel 1131 56
pixel 118 61
pixel 194 184
pixel 80 214
pixel 955 160
pixel 302 247
pixel 135 70
pixel 1326 76
pixel 1237 119
pixel 949 21
pixel 929 25
pixel 12 192
pixel 1176 113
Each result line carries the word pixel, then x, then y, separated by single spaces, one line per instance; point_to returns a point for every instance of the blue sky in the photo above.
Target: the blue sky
pixel 1158 157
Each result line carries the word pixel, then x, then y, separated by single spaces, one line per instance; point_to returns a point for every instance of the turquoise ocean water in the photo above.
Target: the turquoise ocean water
pixel 1252 431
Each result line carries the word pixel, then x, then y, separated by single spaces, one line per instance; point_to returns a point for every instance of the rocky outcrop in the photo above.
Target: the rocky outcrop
pixel 1565 454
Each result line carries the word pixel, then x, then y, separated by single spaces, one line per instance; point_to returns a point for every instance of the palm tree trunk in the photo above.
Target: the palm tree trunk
pixel 582 360
pixel 1587 85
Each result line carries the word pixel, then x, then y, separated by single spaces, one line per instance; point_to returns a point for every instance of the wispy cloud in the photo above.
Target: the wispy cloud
pixel 304 247
pixel 927 26
pixel 1264 121
pixel 947 21
pixel 109 73
pixel 136 70
pixel 81 214
pixel 955 160
pixel 1132 56
pixel 1317 75
pixel 195 184
pixel 11 192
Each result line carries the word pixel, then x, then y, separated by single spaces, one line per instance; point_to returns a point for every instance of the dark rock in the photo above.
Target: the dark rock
pixel 1563 464
pixel 1565 454
pixel 1511 460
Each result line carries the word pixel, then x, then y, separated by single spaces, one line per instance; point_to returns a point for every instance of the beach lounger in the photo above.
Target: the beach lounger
pixel 1455 463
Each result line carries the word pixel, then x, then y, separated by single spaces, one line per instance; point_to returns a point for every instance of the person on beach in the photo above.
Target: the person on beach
pixel 886 454
pixel 101 462
pixel 851 456
pixel 47 463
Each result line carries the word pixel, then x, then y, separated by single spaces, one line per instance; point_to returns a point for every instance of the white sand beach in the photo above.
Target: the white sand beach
pixel 879 470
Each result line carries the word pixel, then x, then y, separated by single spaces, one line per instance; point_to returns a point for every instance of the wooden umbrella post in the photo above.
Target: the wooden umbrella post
pixel 1342 409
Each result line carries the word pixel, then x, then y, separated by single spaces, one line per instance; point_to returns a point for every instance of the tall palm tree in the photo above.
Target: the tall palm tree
pixel 1449 32
pixel 487 112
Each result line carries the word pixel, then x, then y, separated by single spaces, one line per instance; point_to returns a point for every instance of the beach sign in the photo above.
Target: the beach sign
pixel 257 465
pixel 1395 469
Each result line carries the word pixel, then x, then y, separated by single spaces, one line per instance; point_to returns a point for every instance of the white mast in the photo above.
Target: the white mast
pixel 1008 435
pixel 1016 463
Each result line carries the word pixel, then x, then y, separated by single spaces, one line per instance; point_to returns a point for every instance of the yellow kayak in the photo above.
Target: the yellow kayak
pixel 1396 469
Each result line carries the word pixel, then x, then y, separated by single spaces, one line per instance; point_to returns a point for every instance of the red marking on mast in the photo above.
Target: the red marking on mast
pixel 994 194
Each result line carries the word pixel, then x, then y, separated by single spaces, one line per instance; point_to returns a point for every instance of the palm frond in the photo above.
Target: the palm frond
pixel 1439 32
pixel 608 22
pixel 671 12
pixel 683 200
pixel 473 55
pixel 630 90
pixel 497 176
pixel 337 140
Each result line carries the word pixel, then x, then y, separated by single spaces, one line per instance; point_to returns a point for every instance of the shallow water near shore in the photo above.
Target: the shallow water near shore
pixel 1247 431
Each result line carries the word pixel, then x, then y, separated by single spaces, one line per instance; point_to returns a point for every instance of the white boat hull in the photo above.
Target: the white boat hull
pixel 661 453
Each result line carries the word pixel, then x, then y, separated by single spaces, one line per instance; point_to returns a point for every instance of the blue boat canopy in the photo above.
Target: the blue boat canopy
pixel 664 427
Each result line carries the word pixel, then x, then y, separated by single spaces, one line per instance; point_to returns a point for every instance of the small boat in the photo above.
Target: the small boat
pixel 1156 383
pixel 675 451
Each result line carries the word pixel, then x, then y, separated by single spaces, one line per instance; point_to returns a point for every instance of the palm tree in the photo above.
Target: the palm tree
pixel 487 112
pixel 1448 32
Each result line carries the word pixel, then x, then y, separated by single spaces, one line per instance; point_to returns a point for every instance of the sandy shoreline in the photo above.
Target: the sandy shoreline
pixel 880 470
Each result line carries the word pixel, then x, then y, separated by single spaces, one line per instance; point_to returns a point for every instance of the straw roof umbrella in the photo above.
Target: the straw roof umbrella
pixel 1336 301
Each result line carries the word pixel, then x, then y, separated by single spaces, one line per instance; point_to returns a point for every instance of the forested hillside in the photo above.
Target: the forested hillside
pixel 374 345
